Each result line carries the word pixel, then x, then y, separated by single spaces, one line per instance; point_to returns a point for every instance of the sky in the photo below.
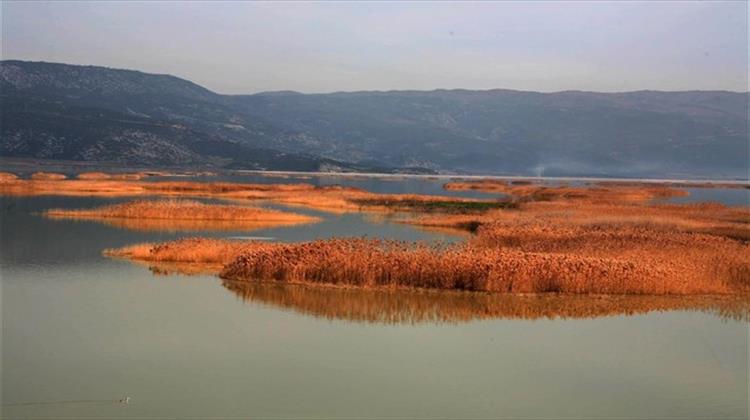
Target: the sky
pixel 247 47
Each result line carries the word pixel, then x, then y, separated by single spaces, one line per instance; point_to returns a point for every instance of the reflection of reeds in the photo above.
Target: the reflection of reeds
pixel 182 215
pixel 415 306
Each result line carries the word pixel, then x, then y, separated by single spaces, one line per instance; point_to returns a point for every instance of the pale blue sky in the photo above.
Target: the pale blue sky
pixel 244 47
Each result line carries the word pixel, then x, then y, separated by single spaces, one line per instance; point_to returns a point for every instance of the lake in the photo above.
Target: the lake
pixel 81 331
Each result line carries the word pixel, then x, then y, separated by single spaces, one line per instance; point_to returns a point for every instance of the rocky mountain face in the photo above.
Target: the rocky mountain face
pixel 59 111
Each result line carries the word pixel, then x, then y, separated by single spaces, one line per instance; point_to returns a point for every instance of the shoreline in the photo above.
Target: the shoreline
pixel 32 165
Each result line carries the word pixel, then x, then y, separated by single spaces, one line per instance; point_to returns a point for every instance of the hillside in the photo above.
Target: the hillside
pixel 58 111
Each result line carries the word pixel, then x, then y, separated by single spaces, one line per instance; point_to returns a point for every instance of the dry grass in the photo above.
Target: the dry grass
pixel 472 267
pixel 417 306
pixel 707 218
pixel 47 176
pixel 335 199
pixel 676 184
pixel 579 240
pixel 97 176
pixel 539 192
pixel 7 176
pixel 175 215
pixel 214 252
pixel 387 264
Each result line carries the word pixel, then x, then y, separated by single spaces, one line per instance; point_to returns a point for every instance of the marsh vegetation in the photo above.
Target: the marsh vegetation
pixel 176 214
pixel 582 239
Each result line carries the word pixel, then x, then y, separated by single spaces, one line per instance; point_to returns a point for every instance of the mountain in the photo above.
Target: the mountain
pixel 62 111
pixel 87 113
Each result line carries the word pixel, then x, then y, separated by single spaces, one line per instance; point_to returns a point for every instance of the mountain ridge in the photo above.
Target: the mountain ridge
pixel 157 119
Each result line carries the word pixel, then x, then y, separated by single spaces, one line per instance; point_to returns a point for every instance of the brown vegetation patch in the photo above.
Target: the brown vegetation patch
pixel 332 198
pixel 676 184
pixel 541 192
pixel 7 176
pixel 96 176
pixel 182 215
pixel 431 204
pixel 216 252
pixel 47 176
pixel 576 240
pixel 488 266
pixel 366 264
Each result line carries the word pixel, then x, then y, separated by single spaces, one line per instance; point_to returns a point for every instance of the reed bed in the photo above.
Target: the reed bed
pixel 469 267
pixel 676 184
pixel 367 263
pixel 47 176
pixel 541 192
pixel 580 240
pixel 215 252
pixel 333 198
pixel 7 176
pixel 187 225
pixel 96 176
pixel 706 218
pixel 182 215
pixel 540 247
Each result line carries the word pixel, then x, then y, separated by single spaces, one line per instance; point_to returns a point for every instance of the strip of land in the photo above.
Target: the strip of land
pixel 334 198
pixel 713 265
pixel 172 215
pixel 583 239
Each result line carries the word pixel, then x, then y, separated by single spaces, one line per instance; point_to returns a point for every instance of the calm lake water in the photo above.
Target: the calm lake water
pixel 81 331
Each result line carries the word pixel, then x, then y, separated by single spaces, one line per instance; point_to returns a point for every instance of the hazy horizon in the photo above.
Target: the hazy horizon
pixel 246 48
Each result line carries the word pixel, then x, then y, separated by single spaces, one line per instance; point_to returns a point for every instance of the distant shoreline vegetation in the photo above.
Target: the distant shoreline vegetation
pixel 596 238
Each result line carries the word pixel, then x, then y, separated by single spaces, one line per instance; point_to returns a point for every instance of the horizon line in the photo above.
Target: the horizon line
pixel 294 92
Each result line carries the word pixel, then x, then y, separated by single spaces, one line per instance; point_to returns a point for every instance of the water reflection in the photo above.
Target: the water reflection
pixel 421 306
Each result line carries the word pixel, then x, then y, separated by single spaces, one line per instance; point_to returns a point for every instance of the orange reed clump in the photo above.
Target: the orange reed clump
pixel 47 176
pixel 7 176
pixel 183 215
pixel 188 250
pixel 371 263
pixel 540 192
pixel 96 176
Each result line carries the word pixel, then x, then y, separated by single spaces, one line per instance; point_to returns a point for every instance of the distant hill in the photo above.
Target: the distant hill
pixel 58 111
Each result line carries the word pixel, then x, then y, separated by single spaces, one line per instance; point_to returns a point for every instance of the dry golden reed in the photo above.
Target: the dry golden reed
pixel 183 215
pixel 7 176
pixel 95 176
pixel 47 176
pixel 540 192
pixel 388 264
pixel 215 252
pixel 332 198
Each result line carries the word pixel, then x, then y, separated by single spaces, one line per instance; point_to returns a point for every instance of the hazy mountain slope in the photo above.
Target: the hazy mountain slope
pixel 58 111
pixel 94 113
pixel 633 134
